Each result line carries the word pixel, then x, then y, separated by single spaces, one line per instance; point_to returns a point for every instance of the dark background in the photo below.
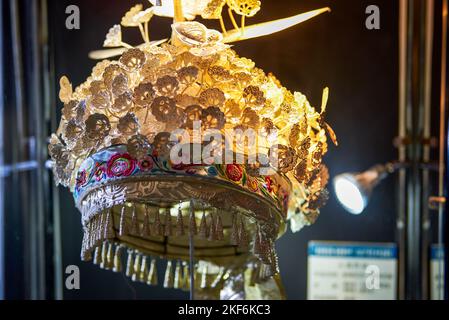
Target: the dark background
pixel 335 50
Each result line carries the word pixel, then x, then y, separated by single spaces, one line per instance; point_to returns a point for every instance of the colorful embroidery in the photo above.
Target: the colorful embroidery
pixel 115 163
pixel 121 165
pixel 100 172
pixel 81 178
pixel 234 172
pixel 146 164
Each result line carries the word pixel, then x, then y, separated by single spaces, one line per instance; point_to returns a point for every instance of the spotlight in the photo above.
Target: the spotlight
pixel 354 189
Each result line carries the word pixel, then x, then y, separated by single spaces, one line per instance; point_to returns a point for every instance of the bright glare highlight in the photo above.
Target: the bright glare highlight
pixel 349 194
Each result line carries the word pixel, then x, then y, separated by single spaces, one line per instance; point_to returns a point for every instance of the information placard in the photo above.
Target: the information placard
pixel 348 271
pixel 437 272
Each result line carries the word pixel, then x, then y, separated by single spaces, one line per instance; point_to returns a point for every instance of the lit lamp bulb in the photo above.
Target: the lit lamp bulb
pixel 354 189
pixel 349 193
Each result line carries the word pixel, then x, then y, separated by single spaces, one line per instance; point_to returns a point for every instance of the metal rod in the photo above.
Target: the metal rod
pixel 20 183
pixel 50 114
pixel 413 218
pixel 18 77
pixel 38 152
pixel 192 255
pixel 2 216
pixel 427 92
pixel 442 140
pixel 402 104
pixel 7 169
pixel 426 105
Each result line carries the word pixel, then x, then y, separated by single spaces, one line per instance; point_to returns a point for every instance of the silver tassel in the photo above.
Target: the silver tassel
pixel 109 227
pixel 92 234
pixel 167 223
pixel 178 281
pixel 110 257
pixel 98 228
pixel 134 223
pixel 274 261
pixel 85 238
pixel 117 259
pixel 104 255
pixel 257 247
pixel 146 230
pixel 101 227
pixel 185 276
pixel 192 224
pixel 265 272
pixel 143 269
pixel 89 236
pixel 157 224
pixel 129 264
pixel 212 233
pixel 94 231
pixel 243 235
pixel 203 283
pixel 234 231
pixel 86 255
pixel 136 269
pixel 203 233
pixel 123 227
pixel 168 278
pixel 218 277
pixel 97 255
pixel 152 273
pixel 179 224
pixel 265 254
pixel 219 229
pixel 254 278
